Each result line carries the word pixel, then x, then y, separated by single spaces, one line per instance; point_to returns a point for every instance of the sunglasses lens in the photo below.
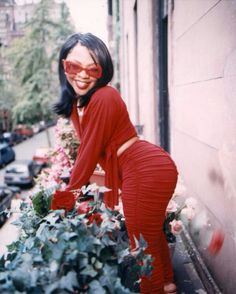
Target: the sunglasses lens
pixel 72 68
pixel 95 71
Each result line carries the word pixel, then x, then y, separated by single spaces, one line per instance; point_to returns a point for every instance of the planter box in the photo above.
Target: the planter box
pixel 98 177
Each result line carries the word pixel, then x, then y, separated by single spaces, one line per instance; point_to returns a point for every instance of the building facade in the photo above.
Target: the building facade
pixel 6 21
pixel 13 17
pixel 177 76
pixel 14 14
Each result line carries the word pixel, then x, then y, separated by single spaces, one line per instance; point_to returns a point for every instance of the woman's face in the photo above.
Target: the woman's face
pixel 81 70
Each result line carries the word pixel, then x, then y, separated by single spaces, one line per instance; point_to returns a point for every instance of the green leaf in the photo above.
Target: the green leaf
pixel 95 287
pixel 107 241
pixel 13 246
pixel 2 263
pixel 69 282
pixel 52 218
pixel 119 289
pixel 34 275
pixel 122 254
pixel 52 287
pixel 3 277
pixel 98 265
pixel 37 259
pixel 41 231
pixel 30 242
pixel 142 243
pixel 42 202
pixel 89 271
pixel 47 253
pixel 21 279
pixel 68 236
pixel 57 250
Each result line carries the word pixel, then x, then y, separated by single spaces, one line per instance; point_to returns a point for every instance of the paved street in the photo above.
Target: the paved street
pixel 9 232
pixel 24 150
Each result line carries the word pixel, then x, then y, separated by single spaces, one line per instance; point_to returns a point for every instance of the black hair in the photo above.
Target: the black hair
pixel 99 50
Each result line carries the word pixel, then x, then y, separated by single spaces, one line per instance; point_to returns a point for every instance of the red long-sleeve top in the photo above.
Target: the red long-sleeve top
pixel 105 126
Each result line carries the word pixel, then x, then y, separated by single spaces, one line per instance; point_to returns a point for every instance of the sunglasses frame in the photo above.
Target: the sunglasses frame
pixel 89 71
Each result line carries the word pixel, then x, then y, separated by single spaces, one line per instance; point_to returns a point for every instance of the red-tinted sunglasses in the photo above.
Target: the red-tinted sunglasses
pixel 72 68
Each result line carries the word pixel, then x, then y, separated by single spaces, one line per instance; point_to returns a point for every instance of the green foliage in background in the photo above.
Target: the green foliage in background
pixel 33 60
pixel 7 96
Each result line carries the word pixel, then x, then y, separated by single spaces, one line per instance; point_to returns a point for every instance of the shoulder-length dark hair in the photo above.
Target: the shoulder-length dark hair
pixel 98 48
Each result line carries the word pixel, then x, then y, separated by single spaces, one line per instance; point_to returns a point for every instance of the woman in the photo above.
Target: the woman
pixel 145 173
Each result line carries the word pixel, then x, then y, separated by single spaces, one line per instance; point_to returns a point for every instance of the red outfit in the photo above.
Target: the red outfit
pixel 105 127
pixel 148 177
pixel 145 172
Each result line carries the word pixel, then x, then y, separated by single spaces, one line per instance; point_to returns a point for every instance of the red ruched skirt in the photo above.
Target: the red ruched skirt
pixel 148 176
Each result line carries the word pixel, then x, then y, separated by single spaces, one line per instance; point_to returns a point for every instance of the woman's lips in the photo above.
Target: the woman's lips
pixel 81 85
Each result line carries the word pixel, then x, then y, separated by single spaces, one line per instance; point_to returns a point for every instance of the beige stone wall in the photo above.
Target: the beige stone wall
pixel 203 93
pixel 137 64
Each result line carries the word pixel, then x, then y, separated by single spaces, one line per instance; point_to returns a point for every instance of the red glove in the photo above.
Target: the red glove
pixel 63 200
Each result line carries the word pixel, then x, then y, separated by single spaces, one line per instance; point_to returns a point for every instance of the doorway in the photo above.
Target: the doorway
pixel 163 74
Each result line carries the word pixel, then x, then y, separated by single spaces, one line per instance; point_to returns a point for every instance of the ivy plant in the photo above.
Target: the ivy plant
pixel 60 252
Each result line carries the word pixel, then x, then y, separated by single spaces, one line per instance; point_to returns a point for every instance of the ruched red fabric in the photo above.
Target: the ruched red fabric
pixel 104 128
pixel 148 176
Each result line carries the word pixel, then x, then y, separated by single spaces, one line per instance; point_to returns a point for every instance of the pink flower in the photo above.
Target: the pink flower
pixel 62 156
pixel 84 207
pixel 176 226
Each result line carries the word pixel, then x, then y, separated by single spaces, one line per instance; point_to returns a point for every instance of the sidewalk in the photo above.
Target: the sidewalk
pixel 9 232
pixel 186 277
pixel 191 273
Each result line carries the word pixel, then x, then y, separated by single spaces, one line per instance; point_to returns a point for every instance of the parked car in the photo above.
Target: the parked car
pixel 6 196
pixel 51 123
pixel 11 138
pixel 24 131
pixel 21 173
pixel 36 128
pixel 7 154
pixel 41 156
pixel 39 127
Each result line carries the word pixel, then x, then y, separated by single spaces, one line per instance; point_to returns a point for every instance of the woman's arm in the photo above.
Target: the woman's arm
pixel 99 123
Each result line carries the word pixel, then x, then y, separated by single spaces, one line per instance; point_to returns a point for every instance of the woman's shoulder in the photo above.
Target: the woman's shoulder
pixel 108 100
pixel 106 94
pixel 107 90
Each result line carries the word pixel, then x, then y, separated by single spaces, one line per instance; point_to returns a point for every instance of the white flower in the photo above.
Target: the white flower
pixel 172 206
pixel 191 202
pixel 189 212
